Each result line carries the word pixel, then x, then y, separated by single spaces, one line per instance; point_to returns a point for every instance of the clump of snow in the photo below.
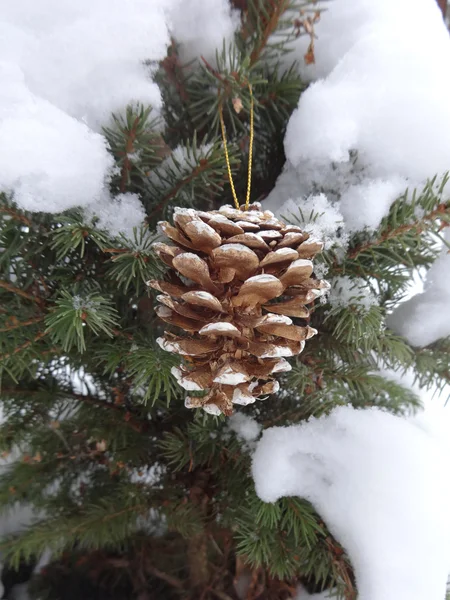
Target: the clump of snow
pixel 119 214
pixel 351 290
pixel 63 73
pixel 50 161
pixel 245 427
pixel 423 319
pixel 380 483
pixel 318 217
pixel 91 79
pixel 149 475
pixel 202 26
pixel 356 130
pixel 365 204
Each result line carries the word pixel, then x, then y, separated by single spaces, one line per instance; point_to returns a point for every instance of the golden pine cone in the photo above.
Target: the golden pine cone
pixel 236 277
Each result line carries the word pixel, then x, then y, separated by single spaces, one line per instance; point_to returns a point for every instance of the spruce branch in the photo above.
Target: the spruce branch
pixel 442 210
pixel 16 215
pixel 23 346
pixel 203 167
pixel 128 419
pixel 14 324
pixel 174 72
pixel 11 288
pixel 270 13
pixel 129 149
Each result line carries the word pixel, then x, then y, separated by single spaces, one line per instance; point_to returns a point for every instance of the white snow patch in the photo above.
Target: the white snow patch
pixel 270 234
pixel 365 204
pixel 231 377
pixel 120 214
pixel 424 318
pixel 279 351
pixel 281 366
pixel 63 74
pixel 356 131
pixel 380 483
pixel 319 217
pixel 245 427
pixel 242 398
pixel 227 248
pixel 214 327
pixel 272 318
pixel 148 475
pixel 202 26
pixel 262 279
pixel 354 291
pixel 212 409
pixel 187 384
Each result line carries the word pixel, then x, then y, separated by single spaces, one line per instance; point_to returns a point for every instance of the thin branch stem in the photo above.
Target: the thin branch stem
pixel 278 7
pixel 23 346
pixel 136 425
pixel 173 581
pixel 171 66
pixel 442 209
pixel 11 288
pixel 129 149
pixel 174 191
pixel 15 215
pixel 21 324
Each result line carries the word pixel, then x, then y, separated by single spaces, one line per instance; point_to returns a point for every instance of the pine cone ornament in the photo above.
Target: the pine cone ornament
pixel 236 278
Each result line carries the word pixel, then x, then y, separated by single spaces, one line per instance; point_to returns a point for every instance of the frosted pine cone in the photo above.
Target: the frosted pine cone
pixel 236 277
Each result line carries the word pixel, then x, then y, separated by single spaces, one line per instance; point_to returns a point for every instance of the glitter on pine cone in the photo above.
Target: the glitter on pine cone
pixel 236 278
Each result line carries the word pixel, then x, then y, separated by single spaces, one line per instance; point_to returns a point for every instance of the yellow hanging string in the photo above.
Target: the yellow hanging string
pixel 250 153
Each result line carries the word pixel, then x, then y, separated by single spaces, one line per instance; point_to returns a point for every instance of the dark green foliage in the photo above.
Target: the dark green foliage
pixel 127 483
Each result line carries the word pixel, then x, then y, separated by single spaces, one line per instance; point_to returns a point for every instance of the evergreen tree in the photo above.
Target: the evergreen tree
pixel 135 495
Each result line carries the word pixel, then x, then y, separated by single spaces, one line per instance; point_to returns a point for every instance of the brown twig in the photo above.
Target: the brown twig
pixel 23 346
pixel 343 567
pixel 21 324
pixel 129 149
pixel 173 581
pixel 110 516
pixel 442 209
pixel 136 425
pixel 12 213
pixel 443 6
pixel 270 23
pixel 124 334
pixel 11 288
pixel 200 169
pixel 171 66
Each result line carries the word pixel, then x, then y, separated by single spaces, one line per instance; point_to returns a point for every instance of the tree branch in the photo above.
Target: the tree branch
pixel 270 23
pixel 172 581
pixel 135 424
pixel 443 6
pixel 442 209
pixel 129 149
pixel 174 191
pixel 15 215
pixel 10 288
pixel 23 346
pixel 171 66
pixel 21 324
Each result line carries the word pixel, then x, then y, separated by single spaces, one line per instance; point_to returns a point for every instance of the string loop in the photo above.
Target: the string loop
pixel 250 153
